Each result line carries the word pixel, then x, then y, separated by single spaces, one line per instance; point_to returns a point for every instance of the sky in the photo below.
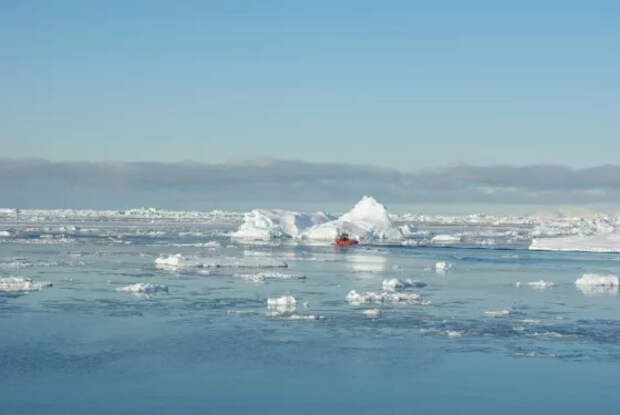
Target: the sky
pixel 402 84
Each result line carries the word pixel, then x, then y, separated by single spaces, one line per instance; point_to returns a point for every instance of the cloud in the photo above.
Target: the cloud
pixel 190 185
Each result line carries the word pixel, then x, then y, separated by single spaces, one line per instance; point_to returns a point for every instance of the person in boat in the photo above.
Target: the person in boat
pixel 343 236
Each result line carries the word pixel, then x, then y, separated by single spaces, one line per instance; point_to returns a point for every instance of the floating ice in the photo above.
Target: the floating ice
pixel 143 288
pixel 179 262
pixel 5 234
pixel 262 276
pixel 372 313
pixel 497 313
pixel 442 267
pixel 281 305
pixel 445 239
pixel 11 284
pixel 355 298
pixel 605 242
pixel 592 284
pixel 366 221
pixel 262 224
pixel 394 284
pixel 540 285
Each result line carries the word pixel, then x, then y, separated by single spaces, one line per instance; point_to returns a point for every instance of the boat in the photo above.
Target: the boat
pixel 343 240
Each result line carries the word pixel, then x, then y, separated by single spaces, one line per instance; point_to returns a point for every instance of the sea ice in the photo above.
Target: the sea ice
pixel 592 284
pixel 497 313
pixel 540 285
pixel 442 267
pixel 355 298
pixel 262 224
pixel 367 220
pixel 281 305
pixel 372 313
pixel 394 284
pixel 10 284
pixel 143 288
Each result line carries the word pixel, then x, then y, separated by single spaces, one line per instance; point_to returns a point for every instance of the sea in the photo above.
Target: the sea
pixel 147 311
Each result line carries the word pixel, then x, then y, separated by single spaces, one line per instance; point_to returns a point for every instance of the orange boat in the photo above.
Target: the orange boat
pixel 343 240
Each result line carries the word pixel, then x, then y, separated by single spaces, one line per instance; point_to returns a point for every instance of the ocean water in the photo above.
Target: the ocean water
pixel 477 338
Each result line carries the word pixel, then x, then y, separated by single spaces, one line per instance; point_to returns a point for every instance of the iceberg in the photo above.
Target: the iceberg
pixel 263 224
pixel 367 220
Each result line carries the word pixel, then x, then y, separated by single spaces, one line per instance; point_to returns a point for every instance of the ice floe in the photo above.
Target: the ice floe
pixel 13 284
pixel 143 288
pixel 373 313
pixel 497 313
pixel 441 267
pixel 394 284
pixel 539 285
pixel 355 298
pixel 592 284
pixel 264 276
pixel 179 262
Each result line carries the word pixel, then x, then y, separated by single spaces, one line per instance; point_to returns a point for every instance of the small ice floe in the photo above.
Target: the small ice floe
pixel 5 234
pixel 535 355
pixel 497 313
pixel 539 285
pixel 441 267
pixel 263 276
pixel 355 298
pixel 394 284
pixel 445 239
pixel 372 313
pixel 593 284
pixel 142 288
pixel 170 262
pixel 179 262
pixel 447 333
pixel 17 284
pixel 282 305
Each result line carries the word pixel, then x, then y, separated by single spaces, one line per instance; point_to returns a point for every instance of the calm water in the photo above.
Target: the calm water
pixel 210 344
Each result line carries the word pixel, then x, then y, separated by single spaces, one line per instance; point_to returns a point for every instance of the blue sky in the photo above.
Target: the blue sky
pixel 401 84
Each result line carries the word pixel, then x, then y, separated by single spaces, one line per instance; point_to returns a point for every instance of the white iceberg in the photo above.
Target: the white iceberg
pixel 16 284
pixel 367 220
pixel 445 239
pixel 592 284
pixel 263 224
